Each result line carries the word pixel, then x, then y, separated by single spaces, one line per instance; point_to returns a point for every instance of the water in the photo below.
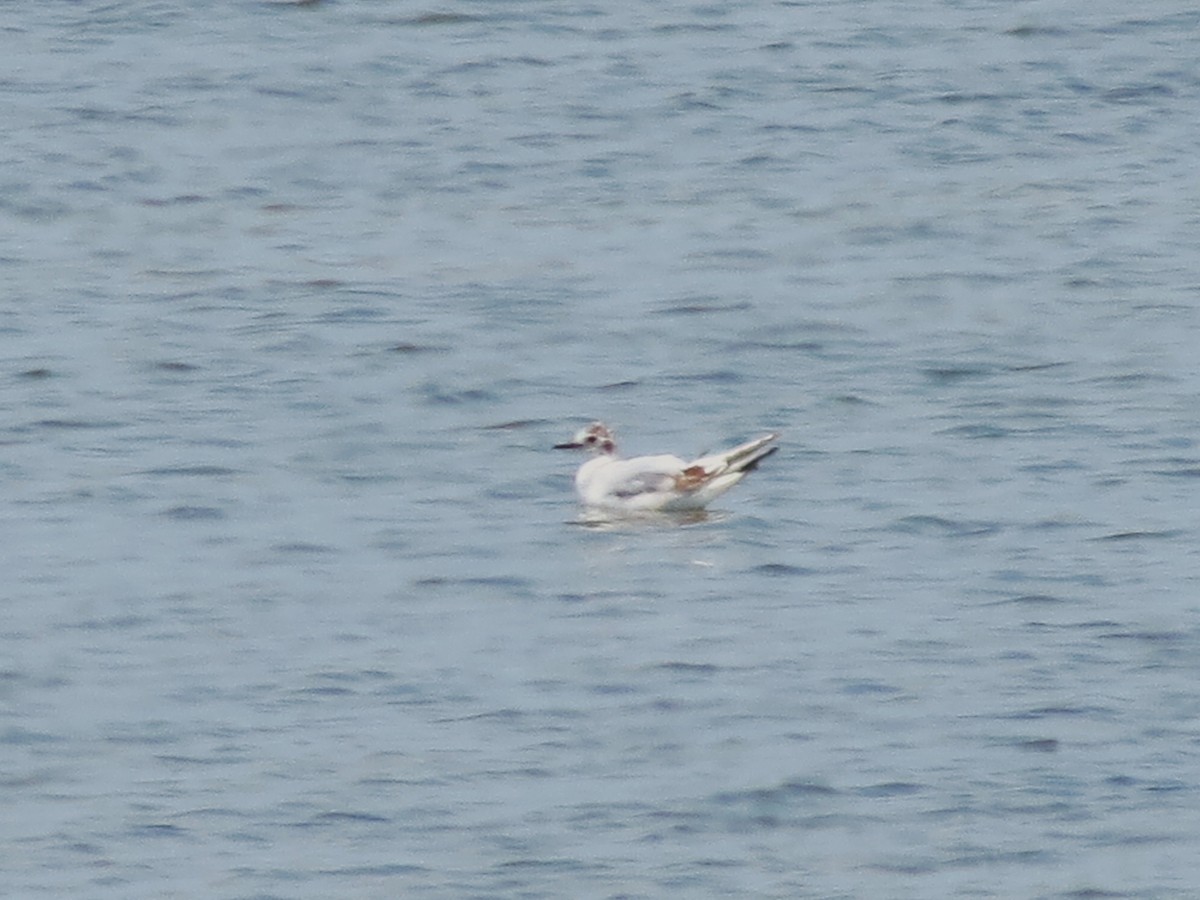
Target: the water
pixel 296 603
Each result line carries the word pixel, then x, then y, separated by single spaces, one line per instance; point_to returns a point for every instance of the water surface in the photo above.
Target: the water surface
pixel 297 602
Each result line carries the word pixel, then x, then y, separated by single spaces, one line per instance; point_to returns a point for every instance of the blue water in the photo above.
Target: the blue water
pixel 296 601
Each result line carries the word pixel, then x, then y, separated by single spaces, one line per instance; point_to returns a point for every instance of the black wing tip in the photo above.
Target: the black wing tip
pixel 753 464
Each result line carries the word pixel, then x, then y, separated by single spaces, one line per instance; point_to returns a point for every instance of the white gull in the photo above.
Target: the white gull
pixel 658 483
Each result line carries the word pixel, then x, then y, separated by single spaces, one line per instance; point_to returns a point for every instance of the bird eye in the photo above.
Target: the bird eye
pixel 590 439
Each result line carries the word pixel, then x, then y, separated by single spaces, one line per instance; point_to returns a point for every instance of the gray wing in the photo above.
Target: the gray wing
pixel 642 483
pixel 644 475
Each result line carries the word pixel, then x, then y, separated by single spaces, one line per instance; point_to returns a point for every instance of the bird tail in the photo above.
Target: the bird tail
pixel 743 458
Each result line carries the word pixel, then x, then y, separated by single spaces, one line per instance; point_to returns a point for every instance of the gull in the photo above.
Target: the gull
pixel 658 483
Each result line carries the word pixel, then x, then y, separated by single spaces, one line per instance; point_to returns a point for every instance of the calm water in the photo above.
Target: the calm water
pixel 296 603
